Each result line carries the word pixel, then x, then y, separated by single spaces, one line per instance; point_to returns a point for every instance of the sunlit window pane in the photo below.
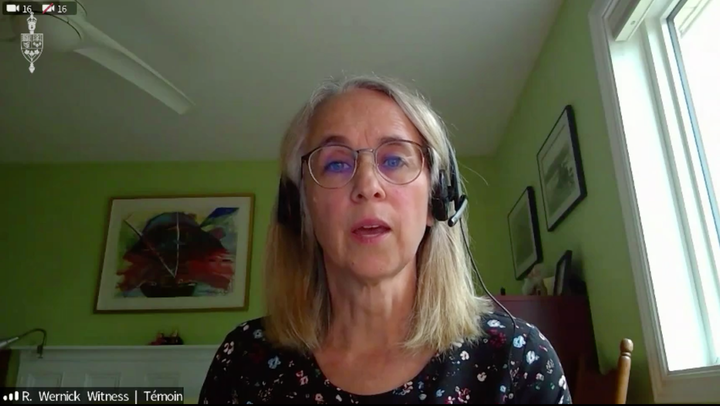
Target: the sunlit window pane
pixel 697 26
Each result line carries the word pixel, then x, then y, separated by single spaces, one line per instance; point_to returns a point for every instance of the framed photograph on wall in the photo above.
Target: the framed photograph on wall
pixel 563 272
pixel 524 234
pixel 176 253
pixel 562 179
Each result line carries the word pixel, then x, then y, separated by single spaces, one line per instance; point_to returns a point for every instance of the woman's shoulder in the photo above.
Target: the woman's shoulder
pixel 234 367
pixel 503 326
pixel 515 338
pixel 247 341
pixel 248 331
pixel 519 357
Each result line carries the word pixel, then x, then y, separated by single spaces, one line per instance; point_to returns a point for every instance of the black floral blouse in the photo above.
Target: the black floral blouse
pixel 504 367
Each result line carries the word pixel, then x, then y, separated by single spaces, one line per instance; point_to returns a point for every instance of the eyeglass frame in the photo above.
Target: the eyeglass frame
pixel 424 154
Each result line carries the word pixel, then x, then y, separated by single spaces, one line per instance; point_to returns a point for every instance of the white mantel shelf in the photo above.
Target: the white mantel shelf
pixel 116 366
pixel 116 347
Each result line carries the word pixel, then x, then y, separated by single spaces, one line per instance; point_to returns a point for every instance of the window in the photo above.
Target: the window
pixel 694 29
pixel 658 67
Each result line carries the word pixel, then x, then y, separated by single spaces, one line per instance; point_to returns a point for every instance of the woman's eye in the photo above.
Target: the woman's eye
pixel 336 166
pixel 393 162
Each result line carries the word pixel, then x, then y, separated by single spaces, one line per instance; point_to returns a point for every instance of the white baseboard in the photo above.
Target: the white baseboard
pixel 117 366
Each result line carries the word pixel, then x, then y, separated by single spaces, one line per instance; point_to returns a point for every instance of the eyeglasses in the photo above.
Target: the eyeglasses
pixel 333 166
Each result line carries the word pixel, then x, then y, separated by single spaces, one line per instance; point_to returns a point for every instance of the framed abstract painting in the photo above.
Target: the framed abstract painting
pixel 176 253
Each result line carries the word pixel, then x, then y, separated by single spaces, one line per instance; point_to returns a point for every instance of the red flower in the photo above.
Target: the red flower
pixel 498 340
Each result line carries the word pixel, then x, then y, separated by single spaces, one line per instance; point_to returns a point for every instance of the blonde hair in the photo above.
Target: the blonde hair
pixel 446 308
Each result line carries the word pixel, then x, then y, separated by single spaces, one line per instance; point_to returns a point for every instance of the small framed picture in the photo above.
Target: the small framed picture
pixel 524 234
pixel 563 271
pixel 562 179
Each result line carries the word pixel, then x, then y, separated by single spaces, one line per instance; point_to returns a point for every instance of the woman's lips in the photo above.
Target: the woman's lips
pixel 369 222
pixel 370 230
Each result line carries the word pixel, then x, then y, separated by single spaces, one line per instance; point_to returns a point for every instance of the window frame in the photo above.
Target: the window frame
pixel 619 31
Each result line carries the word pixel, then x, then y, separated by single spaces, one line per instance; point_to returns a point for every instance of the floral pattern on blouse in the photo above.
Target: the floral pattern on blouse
pixel 507 366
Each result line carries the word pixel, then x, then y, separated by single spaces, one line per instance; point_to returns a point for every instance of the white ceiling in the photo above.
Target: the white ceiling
pixel 249 64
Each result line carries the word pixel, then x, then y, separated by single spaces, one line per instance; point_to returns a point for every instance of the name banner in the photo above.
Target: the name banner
pixel 124 396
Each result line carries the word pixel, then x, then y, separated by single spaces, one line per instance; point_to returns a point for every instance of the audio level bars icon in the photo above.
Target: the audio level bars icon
pixel 11 397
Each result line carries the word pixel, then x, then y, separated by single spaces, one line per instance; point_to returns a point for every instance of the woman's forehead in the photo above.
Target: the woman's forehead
pixel 360 117
pixel 336 139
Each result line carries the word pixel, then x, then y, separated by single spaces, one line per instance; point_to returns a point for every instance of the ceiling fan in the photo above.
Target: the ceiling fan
pixel 73 33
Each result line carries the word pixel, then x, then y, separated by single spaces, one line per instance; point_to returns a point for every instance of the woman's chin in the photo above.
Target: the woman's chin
pixel 372 274
pixel 376 270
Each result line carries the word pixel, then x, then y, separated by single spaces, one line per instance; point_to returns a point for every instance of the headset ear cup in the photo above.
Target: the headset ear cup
pixel 439 199
pixel 288 209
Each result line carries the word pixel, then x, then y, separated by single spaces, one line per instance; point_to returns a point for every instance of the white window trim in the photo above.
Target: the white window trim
pixel 700 385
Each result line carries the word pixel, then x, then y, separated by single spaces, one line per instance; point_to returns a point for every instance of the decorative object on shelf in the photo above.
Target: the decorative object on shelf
pixel 571 282
pixel 177 253
pixel 7 341
pixel 534 281
pixel 172 339
pixel 563 274
pixel 562 179
pixel 549 284
pixel 524 234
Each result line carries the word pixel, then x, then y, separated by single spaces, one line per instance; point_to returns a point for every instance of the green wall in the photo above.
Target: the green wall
pixel 565 74
pixel 52 246
pixel 481 182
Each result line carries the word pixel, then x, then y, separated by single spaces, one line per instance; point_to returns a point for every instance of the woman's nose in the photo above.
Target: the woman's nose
pixel 367 183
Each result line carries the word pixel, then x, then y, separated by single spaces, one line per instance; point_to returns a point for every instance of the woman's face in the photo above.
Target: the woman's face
pixel 369 228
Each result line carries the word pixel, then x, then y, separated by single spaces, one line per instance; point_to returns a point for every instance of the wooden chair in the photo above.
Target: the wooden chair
pixel 611 388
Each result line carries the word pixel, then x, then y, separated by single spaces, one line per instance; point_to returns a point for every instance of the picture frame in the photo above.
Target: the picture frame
pixel 563 273
pixel 523 225
pixel 176 253
pixel 562 177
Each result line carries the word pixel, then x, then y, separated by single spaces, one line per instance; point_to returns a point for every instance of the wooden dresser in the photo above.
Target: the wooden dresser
pixel 565 321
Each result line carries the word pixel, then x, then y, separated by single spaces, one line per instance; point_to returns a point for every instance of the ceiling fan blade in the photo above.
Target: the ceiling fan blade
pixel 102 49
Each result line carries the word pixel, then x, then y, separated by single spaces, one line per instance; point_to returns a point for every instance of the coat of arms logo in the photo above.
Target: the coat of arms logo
pixel 31 44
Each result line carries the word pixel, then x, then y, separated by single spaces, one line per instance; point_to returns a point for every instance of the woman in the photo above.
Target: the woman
pixel 369 289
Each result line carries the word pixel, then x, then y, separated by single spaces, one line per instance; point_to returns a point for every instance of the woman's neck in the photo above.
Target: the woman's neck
pixel 372 316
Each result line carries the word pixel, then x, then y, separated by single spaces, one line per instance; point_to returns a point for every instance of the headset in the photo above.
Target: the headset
pixel 446 193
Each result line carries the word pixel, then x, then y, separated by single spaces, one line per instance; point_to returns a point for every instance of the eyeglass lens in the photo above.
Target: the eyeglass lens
pixel 399 162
